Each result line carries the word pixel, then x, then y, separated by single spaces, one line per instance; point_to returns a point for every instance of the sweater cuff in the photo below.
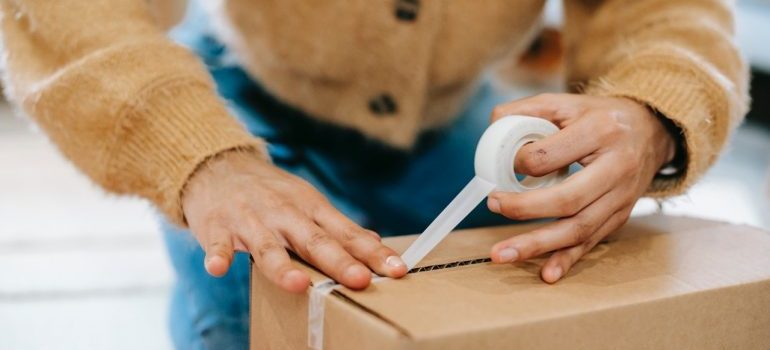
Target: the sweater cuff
pixel 178 126
pixel 677 88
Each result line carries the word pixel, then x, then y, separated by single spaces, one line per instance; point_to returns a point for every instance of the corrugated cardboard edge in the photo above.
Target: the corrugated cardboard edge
pixel 353 326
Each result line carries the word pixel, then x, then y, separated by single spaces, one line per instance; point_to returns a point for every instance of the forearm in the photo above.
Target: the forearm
pixel 135 112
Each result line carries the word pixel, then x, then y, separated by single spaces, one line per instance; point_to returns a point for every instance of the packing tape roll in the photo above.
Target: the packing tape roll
pixel 494 163
pixel 496 153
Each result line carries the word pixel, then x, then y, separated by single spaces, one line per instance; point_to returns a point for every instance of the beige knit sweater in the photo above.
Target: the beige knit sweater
pixel 138 114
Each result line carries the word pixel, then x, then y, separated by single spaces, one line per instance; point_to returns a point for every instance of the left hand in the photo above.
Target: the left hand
pixel 621 144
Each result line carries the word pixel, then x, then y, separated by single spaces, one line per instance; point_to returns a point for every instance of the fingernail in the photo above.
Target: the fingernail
pixel 556 272
pixel 394 261
pixel 508 255
pixel 494 205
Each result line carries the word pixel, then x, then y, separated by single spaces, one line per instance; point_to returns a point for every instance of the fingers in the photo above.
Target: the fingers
pixel 273 261
pixel 560 234
pixel 219 252
pixel 321 249
pixel 563 199
pixel 363 244
pixel 561 261
pixel 266 210
pixel 556 108
pixel 559 150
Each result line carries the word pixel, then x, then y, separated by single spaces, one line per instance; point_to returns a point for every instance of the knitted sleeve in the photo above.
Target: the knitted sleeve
pixel 135 112
pixel 676 56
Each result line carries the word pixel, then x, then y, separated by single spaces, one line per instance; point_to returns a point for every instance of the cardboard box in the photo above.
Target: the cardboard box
pixel 659 283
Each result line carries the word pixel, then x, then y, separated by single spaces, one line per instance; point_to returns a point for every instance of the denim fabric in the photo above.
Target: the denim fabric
pixel 390 191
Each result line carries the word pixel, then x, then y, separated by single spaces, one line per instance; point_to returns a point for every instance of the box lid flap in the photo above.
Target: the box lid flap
pixel 651 258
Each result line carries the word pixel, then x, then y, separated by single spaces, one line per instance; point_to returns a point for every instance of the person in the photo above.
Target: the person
pixel 327 122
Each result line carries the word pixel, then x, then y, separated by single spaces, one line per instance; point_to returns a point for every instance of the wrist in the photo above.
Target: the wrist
pixel 215 170
pixel 673 154
pixel 665 141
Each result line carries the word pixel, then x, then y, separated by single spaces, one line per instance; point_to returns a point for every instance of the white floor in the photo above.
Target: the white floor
pixel 84 270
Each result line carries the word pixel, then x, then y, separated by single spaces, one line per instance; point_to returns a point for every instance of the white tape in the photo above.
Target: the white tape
pixel 494 164
pixel 316 310
pixel 315 313
pixel 462 205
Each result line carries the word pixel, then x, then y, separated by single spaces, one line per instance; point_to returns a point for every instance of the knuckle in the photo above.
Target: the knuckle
pixel 251 224
pixel 581 232
pixel 354 232
pixel 572 208
pixel 317 200
pixel 218 246
pixel 613 126
pixel 510 208
pixel 571 111
pixel 588 244
pixel 266 247
pixel 283 206
pixel 533 248
pixel 211 225
pixel 383 251
pixel 534 162
pixel 243 207
pixel 214 218
pixel 317 240
pixel 373 235
pixel 625 215
pixel 568 203
pixel 349 235
pixel 530 244
pixel 609 129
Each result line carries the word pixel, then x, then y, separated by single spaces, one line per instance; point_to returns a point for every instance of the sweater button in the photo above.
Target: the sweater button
pixel 406 10
pixel 383 105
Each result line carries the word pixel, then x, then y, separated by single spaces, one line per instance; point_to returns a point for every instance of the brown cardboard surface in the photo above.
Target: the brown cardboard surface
pixel 660 282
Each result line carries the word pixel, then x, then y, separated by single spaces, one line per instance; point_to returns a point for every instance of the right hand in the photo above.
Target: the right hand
pixel 237 201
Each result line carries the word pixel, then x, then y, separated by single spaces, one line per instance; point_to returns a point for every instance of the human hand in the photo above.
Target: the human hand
pixel 621 144
pixel 240 202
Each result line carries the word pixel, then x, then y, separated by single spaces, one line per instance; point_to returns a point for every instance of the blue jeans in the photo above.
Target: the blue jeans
pixel 390 191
